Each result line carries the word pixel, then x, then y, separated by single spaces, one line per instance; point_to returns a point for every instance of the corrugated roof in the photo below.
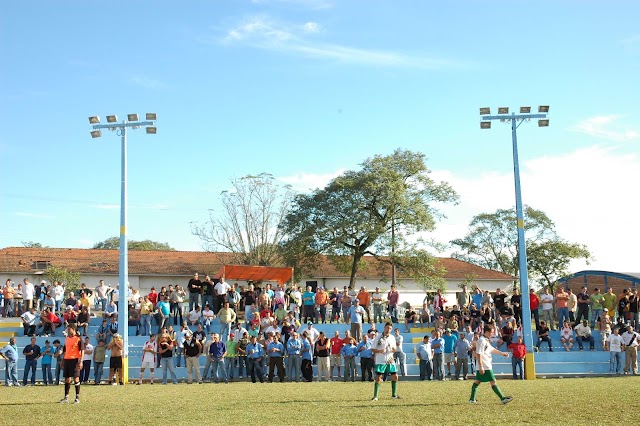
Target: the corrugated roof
pixel 22 259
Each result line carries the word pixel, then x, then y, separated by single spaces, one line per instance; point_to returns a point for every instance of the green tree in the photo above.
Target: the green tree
pixel 248 223
pixel 33 244
pixel 492 242
pixel 71 280
pixel 113 243
pixel 355 214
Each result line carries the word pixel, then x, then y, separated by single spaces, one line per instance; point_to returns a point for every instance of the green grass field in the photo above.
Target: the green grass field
pixel 550 401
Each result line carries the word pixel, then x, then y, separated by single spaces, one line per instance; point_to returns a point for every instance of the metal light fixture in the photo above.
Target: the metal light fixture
pixel 94 119
pixel 485 111
pixel 132 117
pixel 543 108
pixel 485 124
pixel 543 123
pixel 112 118
pixel 151 130
pixel 525 110
pixel 151 116
pixel 96 133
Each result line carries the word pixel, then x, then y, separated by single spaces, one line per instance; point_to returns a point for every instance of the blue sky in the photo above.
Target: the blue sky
pixel 309 88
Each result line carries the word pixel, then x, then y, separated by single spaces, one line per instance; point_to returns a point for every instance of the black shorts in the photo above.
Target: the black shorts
pixel 70 368
pixel 115 362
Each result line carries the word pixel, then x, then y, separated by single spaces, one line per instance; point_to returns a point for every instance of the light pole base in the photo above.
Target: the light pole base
pixel 529 367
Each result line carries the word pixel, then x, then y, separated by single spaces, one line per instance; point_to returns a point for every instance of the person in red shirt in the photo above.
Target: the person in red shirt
pixel 518 352
pixel 153 296
pixel 534 302
pixel 336 358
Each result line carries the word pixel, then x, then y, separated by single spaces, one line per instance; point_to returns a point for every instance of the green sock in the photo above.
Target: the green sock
pixel 394 387
pixel 376 389
pixel 474 390
pixel 497 391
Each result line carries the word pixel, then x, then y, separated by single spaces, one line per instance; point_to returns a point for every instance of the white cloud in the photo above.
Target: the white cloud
pixel 261 32
pixel 606 127
pixel 305 182
pixel 586 193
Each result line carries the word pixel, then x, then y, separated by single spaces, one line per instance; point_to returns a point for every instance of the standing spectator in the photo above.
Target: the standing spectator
pixel 176 298
pixel 623 305
pixel 609 302
pixel 425 355
pixel 634 301
pixel 227 317
pixel 345 305
pixel 614 346
pixel 438 355
pixel 8 293
pixel 220 290
pixel 566 336
pixel 295 299
pixel 308 300
pixel 217 354
pixel 461 354
pixel 115 360
pixel 392 299
pixel 596 306
pixel 195 288
pixel 47 356
pixel 399 356
pixel 349 352
pixel 149 351
pixel 321 351
pixel 534 303
pixel 86 361
pixel 464 297
pixel 334 300
pixel 276 359
pixel 192 350
pixel 366 361
pixel 165 350
pixel 231 356
pixel 321 300
pixel 518 353
pixel 356 314
pixel 584 300
pixel 630 339
pixel 234 298
pixel 28 293
pixel 31 353
pixel 543 336
pixel 207 291
pixel 604 326
pixel 516 302
pixel 547 308
pixel 255 354
pixel 336 354
pixel 10 354
pixel 439 301
pixel 146 308
pixel 499 301
pixel 573 306
pixel 241 348
pixel 376 299
pixel 164 313
pixel 306 351
pixel 562 306
pixel 449 346
pixel 99 356
pixel 102 295
pixel 365 301
pixel 58 354
pixel 18 301
pixel 583 334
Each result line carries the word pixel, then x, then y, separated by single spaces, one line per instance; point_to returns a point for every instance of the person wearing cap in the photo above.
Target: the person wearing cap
pixel 630 339
pixel 583 334
pixel 356 313
pixel 217 354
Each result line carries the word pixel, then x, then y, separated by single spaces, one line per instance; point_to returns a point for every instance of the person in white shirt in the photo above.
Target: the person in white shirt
pixel 630 338
pixel 484 370
pixel 614 346
pixel 87 357
pixel 384 347
pixel 220 289
pixel 547 308
pixel 195 315
pixel 583 333
pixel 149 351
pixel 566 336
pixel 28 291
pixel 208 316
pixel 58 296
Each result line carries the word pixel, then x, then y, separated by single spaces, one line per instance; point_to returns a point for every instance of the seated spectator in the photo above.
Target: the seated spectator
pixel 583 332
pixel 70 317
pixel 424 314
pixel 566 336
pixel 543 336
pixel 83 320
pixel 195 315
pixel 49 321
pixel 134 318
pixel 410 317
pixel 111 310
pixel 506 335
pixel 103 332
pixel 29 322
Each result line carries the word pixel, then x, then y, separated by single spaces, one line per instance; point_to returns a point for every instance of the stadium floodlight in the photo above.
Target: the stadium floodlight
pixel 132 117
pixel 151 116
pixel 112 118
pixel 96 133
pixel 94 119
pixel 543 123
pixel 525 110
pixel 152 130
pixel 543 108
pixel 485 111
pixel 485 124
pixel 503 110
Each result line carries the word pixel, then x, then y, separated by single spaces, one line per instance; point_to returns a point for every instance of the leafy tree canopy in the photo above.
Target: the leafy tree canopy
pixel 113 243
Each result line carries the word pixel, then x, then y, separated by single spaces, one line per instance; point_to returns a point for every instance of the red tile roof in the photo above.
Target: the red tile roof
pixel 21 259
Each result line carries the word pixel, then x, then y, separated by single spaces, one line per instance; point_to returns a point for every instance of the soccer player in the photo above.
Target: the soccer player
pixel 73 352
pixel 384 346
pixel 484 370
pixel 149 351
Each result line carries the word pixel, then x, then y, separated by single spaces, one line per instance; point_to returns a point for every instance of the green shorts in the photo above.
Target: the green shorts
pixel 386 368
pixel 486 377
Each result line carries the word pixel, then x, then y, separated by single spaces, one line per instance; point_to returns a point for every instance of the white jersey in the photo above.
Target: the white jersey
pixel 484 350
pixel 615 343
pixel 387 345
pixel 149 356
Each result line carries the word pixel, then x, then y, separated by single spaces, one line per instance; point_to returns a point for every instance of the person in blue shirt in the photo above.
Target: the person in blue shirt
pixel 356 313
pixel 308 301
pixel 349 353
pixel 58 354
pixel 217 353
pixel 307 355
pixel 31 353
pixel 276 358
pixel 255 353
pixel 449 344
pixel 366 358
pixel 437 344
pixel 47 356
pixel 294 351
pixel 10 354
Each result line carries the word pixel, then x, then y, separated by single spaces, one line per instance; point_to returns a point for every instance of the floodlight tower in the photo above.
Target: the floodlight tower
pixel 517 119
pixel 132 122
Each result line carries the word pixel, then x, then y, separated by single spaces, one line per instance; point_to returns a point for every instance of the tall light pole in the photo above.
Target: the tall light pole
pixel 517 119
pixel 132 122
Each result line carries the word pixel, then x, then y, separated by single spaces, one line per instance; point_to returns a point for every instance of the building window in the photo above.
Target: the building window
pixel 40 264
